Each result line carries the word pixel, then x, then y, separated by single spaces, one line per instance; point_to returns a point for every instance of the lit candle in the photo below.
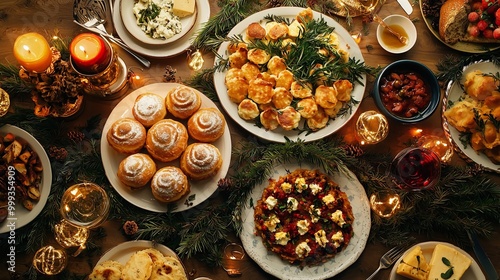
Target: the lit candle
pixel 32 52
pixel 90 54
pixel 371 127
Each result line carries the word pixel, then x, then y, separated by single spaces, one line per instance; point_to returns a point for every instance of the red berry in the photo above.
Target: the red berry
pixel 473 17
pixel 488 33
pixel 482 25
pixel 497 21
pixel 496 33
pixel 485 4
pixel 474 31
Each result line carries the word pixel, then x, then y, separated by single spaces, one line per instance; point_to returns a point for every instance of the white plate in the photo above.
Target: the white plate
pixel 162 51
pixel 278 135
pixel 143 198
pixel 472 273
pixel 22 216
pixel 122 252
pixel 453 93
pixel 129 21
pixel 273 264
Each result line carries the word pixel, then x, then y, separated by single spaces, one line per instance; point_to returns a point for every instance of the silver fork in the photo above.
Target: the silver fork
pixel 389 259
pixel 90 15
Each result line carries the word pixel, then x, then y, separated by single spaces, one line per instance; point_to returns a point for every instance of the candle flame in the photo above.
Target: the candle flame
pixel 82 48
pixel 26 48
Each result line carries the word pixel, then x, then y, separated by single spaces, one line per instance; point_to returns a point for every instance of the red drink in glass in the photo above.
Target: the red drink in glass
pixel 415 169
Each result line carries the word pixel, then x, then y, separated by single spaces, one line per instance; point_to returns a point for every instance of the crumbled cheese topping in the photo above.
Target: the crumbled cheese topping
pixel 302 249
pixel 272 222
pixel 282 238
pixel 315 214
pixel 320 237
pixel 338 218
pixel 300 184
pixel 158 24
pixel 315 188
pixel 292 204
pixel 328 199
pixel 271 202
pixel 286 187
pixel 337 238
pixel 303 226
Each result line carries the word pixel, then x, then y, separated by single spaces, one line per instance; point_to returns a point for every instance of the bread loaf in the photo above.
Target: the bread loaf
pixel 453 20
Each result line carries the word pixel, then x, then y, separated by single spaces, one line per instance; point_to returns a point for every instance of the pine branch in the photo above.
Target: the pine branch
pixel 204 82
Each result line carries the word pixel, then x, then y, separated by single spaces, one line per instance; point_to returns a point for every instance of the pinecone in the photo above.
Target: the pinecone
pixel 56 153
pixel 275 3
pixel 76 136
pixel 474 170
pixel 225 184
pixel 353 150
pixel 130 228
pixel 169 75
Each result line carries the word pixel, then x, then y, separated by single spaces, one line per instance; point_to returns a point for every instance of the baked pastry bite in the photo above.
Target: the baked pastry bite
pixel 107 270
pixel 169 184
pixel 307 107
pixel 281 98
pixel 260 91
pixel 248 110
pixel 288 118
pixel 206 125
pixel 255 31
pixel 257 56
pixel 168 268
pixel 269 119
pixel 276 64
pixel 319 120
pixel 183 101
pixel 249 71
pixel 149 108
pixel 326 97
pixel 201 161
pixel 138 267
pixel 136 170
pixel 126 135
pixel 343 89
pixel 166 140
pixel 300 91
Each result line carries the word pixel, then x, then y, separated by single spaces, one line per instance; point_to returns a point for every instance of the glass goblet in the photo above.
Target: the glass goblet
pixel 71 236
pixel 415 169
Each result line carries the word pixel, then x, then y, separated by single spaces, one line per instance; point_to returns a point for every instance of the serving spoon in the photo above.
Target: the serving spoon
pixel 91 14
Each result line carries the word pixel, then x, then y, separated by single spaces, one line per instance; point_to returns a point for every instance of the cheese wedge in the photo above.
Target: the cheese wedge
pixel 183 8
pixel 457 260
pixel 414 265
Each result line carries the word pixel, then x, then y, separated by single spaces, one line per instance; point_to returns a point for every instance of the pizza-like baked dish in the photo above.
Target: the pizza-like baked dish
pixel 304 217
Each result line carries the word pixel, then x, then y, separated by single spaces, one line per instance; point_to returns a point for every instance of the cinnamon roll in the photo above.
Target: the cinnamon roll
pixel 149 108
pixel 169 184
pixel 206 125
pixel 201 161
pixel 126 135
pixel 183 101
pixel 136 170
pixel 166 140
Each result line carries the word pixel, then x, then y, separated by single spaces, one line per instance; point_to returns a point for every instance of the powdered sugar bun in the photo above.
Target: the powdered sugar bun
pixel 206 125
pixel 169 184
pixel 149 108
pixel 136 170
pixel 166 140
pixel 183 101
pixel 201 161
pixel 126 135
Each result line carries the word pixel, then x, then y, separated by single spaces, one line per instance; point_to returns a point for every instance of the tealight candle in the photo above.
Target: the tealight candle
pixel 32 52
pixel 90 53
pixel 371 127
pixel 438 145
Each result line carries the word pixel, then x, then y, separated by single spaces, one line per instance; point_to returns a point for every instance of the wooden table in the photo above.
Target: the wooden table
pixel 18 17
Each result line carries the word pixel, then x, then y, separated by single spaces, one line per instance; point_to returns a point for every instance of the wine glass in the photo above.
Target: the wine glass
pixel 415 169
pixel 83 206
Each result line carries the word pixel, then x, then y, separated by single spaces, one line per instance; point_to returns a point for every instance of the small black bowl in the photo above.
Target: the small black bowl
pixel 427 76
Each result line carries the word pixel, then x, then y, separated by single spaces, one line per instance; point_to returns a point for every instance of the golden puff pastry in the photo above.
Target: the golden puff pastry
pixel 206 125
pixel 236 47
pixel 238 58
pixel 275 65
pixel 248 110
pixel 237 89
pixel 257 56
pixel 255 31
pixel 201 161
pixel 285 79
pixel 332 112
pixel 107 270
pixel 461 115
pixel 269 119
pixel 288 118
pixel 166 140
pixel 260 91
pixel 250 71
pixel 281 98
pixel 233 73
pixel 319 120
pixel 276 30
pixel 136 170
pixel 307 107
pixel 183 101
pixel 149 108
pixel 479 86
pixel 168 268
pixel 126 135
pixel 169 184
pixel 325 97
pixel 343 89
pixel 305 15
pixel 138 267
pixel 300 91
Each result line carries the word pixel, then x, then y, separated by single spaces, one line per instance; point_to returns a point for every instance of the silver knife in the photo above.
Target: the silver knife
pixel 489 269
pixel 405 4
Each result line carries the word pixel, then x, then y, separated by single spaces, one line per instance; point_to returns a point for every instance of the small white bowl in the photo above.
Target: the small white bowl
pixel 408 27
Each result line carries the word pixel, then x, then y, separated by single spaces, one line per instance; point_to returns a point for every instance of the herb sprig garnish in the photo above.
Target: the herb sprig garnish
pixel 150 13
pixel 449 272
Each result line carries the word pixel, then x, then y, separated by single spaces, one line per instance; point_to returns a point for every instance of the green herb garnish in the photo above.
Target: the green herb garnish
pixel 449 272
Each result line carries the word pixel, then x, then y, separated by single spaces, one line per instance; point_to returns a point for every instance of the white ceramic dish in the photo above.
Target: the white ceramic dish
pixel 453 93
pixel 278 135
pixel 407 25
pixel 273 264
pixel 122 252
pixel 163 50
pixel 143 198
pixel 473 273
pixel 129 21
pixel 21 215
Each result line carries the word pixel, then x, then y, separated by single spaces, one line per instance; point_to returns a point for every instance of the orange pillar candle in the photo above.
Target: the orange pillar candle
pixel 90 54
pixel 32 52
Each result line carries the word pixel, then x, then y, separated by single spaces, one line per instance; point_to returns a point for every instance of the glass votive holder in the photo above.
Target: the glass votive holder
pixel 440 146
pixel 415 169
pixel 49 260
pixel 371 127
pixel 70 236
pixel 385 203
